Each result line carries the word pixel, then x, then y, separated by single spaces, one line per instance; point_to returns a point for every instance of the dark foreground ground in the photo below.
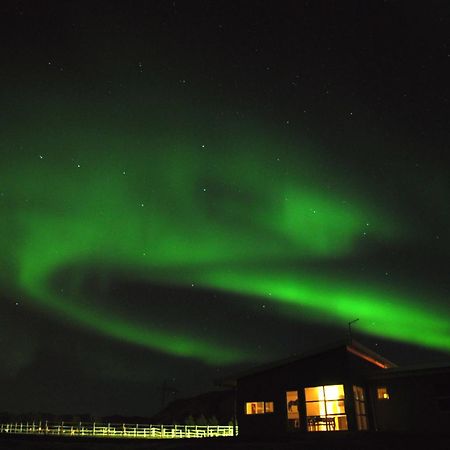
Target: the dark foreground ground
pixel 324 441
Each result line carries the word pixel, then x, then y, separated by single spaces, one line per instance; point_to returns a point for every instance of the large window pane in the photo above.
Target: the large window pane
pixel 315 408
pixel 314 393
pixel 336 407
pixel 334 392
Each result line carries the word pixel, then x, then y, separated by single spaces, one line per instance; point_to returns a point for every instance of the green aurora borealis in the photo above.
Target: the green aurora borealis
pixel 189 189
pixel 241 212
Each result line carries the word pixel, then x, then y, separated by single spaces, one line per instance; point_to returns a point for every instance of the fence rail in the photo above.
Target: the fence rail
pixel 123 430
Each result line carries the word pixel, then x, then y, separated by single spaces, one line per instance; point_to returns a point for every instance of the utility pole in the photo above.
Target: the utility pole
pixel 350 329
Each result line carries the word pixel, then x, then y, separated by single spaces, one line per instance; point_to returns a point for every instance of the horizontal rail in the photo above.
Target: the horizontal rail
pixel 124 430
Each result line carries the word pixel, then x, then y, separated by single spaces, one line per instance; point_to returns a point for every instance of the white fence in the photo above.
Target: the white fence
pixel 124 430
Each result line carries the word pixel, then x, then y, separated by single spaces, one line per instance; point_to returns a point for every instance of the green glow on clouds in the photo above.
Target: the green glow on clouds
pixel 175 208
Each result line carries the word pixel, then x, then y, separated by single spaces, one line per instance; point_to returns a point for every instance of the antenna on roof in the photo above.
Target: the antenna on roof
pixel 350 337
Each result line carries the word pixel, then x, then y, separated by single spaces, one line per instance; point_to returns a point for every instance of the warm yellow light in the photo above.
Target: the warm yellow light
pixel 254 408
pixel 382 393
pixel 268 407
pixel 325 408
pixel 258 408
pixel 334 392
pixel 292 404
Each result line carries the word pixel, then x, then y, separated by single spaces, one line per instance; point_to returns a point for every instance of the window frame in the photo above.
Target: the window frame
pixel 268 407
pixel 383 393
pixel 293 416
pixel 362 420
pixel 325 401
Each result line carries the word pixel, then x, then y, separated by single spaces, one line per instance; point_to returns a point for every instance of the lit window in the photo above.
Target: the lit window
pixel 360 408
pixel 254 408
pixel 382 393
pixel 268 407
pixel 325 408
pixel 293 416
pixel 258 407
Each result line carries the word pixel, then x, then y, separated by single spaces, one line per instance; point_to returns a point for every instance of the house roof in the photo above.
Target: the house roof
pixel 354 347
pixel 412 370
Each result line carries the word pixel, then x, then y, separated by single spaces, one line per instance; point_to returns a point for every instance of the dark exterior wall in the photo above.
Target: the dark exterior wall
pixel 333 367
pixel 415 403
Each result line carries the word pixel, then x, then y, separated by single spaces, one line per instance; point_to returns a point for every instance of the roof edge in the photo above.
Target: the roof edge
pixel 354 347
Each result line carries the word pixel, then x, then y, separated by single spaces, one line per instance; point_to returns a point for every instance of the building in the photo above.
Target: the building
pixel 343 387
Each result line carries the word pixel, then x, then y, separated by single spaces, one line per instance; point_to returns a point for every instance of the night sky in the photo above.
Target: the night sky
pixel 189 188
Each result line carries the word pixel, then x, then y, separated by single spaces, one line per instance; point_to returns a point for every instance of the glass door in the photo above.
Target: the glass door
pixel 293 416
pixel 360 408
